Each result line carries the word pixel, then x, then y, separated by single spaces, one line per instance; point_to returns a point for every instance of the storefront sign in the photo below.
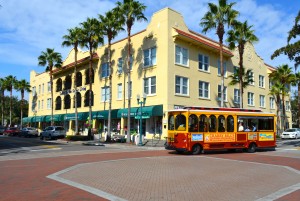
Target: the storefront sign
pixel 68 91
pixel 220 137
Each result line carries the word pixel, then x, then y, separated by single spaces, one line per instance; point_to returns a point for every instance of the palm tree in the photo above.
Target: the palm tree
pixel 284 76
pixel 10 84
pixel 130 11
pixel 275 92
pixel 22 86
pixel 73 38
pixel 237 38
pixel 297 83
pixel 92 37
pixel 3 87
pixel 110 25
pixel 216 18
pixel 50 59
pixel 243 78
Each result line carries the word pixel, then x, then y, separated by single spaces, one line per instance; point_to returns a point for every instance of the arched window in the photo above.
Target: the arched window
pixel 78 79
pixel 212 123
pixel 221 123
pixel 87 76
pixel 87 98
pixel 67 101
pixel 180 122
pixel 203 123
pixel 68 82
pixel 58 85
pixel 193 123
pixel 58 103
pixel 78 100
pixel 171 122
pixel 230 124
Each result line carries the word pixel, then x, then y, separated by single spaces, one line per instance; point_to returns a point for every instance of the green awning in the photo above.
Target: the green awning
pixel 104 114
pixel 123 113
pixel 25 119
pixel 81 116
pixel 148 111
pixel 56 117
pixel 39 119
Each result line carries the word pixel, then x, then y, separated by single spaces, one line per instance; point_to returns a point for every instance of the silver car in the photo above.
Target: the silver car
pixel 291 133
pixel 53 132
pixel 29 132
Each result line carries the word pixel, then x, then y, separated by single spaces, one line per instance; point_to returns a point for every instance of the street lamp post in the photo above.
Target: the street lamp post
pixel 142 104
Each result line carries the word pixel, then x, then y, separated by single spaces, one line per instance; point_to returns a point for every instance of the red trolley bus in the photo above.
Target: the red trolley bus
pixel 196 129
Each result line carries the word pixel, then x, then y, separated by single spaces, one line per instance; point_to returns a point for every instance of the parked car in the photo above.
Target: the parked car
pixel 291 133
pixel 52 132
pixel 29 132
pixel 2 129
pixel 12 131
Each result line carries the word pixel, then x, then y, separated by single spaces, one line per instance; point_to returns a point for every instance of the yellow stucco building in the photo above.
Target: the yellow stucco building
pixel 171 64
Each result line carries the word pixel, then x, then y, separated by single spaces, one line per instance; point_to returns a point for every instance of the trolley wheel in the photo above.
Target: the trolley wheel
pixel 251 148
pixel 196 149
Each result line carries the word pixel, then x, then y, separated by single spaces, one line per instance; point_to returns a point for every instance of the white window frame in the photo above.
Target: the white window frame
pixel 106 70
pixel 181 56
pixel 272 103
pixel 39 105
pixel 48 103
pixel 261 82
pixel 250 99
pixel 287 106
pixel 252 83
pixel 236 96
pixel 39 89
pixel 150 55
pixel 120 65
pixel 219 93
pixel 119 91
pixel 262 101
pixel 202 64
pixel 43 85
pixel 182 86
pixel 204 88
pixel 149 85
pixel 224 66
pixel 49 87
pixel 105 94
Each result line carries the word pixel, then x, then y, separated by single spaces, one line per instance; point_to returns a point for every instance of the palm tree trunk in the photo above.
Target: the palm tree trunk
pixel 283 111
pixel 110 88
pixel 2 108
pixel 90 92
pixel 241 53
pixel 51 83
pixel 278 115
pixel 22 98
pixel 298 104
pixel 75 86
pixel 222 74
pixel 10 107
pixel 128 84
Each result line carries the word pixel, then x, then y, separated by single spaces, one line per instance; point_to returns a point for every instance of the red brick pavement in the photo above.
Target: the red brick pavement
pixel 26 179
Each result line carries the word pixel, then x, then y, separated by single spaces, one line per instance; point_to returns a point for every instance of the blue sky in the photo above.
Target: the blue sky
pixel 28 27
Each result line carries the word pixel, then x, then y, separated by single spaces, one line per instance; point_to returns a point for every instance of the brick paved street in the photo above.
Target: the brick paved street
pixel 135 173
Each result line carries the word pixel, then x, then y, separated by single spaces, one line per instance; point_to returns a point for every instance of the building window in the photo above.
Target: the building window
pixel 104 70
pixel 251 75
pixel 49 87
pixel 119 88
pixel 150 85
pixel 33 91
pixel 236 96
pixel 43 86
pixel 130 89
pixel 203 62
pixel 272 103
pixel 287 106
pixel 203 89
pixel 49 103
pixel 261 101
pixel 42 104
pixel 219 93
pixel 39 105
pixel 181 56
pixel 105 94
pixel 39 89
pixel 270 84
pixel 181 85
pixel 261 81
pixel 250 99
pixel 120 65
pixel 224 66
pixel 150 57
